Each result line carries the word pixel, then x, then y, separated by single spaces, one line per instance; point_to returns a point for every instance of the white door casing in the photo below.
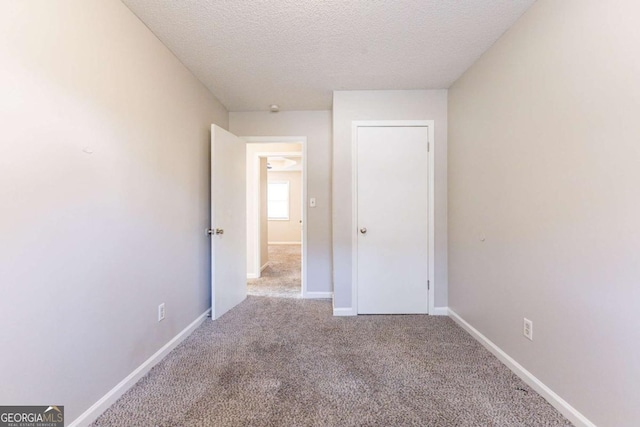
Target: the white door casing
pixel 228 221
pixel 393 201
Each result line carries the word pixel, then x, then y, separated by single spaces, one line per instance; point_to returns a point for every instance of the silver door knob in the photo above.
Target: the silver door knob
pixel 219 231
pixel 363 231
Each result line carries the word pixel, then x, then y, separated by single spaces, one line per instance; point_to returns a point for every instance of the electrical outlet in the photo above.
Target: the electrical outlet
pixel 528 329
pixel 161 312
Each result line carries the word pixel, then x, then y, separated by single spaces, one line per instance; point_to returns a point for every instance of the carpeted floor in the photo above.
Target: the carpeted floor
pixel 287 362
pixel 282 278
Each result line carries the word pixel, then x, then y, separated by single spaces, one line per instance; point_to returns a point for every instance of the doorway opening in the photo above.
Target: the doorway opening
pixel 276 216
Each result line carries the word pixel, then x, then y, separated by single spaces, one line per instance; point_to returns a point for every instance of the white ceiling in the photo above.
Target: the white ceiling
pixel 284 164
pixel 294 53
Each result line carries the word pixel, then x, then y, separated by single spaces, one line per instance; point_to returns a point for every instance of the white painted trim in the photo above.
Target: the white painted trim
pixel 440 311
pixel 344 311
pixel 354 222
pixel 91 414
pixel 571 413
pixel 285 243
pixel 275 139
pixel 429 124
pixel 257 251
pixel 257 276
pixel 302 140
pixel 317 295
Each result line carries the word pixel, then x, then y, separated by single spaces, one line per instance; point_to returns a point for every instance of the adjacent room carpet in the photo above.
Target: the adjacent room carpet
pixel 287 362
pixel 282 278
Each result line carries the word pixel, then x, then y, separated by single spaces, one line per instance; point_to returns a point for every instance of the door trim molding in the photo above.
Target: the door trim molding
pixel 302 140
pixel 429 124
pixel 319 295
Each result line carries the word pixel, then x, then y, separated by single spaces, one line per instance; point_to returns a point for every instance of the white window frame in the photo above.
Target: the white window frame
pixel 288 200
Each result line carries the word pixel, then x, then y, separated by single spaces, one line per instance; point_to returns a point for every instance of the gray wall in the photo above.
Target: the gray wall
pixel 384 105
pixel 92 243
pixel 544 161
pixel 316 126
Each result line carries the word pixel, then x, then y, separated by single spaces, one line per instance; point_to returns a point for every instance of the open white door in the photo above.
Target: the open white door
pixel 228 221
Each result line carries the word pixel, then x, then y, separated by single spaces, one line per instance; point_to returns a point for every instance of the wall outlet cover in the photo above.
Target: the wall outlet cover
pixel 161 312
pixel 528 329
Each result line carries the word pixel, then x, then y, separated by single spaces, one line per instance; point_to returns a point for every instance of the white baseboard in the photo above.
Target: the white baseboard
pixel 344 311
pixel 284 243
pixel 257 276
pixel 317 295
pixel 348 311
pixel 571 413
pixel 91 414
pixel 440 311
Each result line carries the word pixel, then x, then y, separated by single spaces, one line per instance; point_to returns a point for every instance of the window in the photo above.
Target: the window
pixel 278 200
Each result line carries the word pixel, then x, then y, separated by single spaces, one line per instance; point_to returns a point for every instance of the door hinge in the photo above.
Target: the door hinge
pixel 428 147
pixel 428 285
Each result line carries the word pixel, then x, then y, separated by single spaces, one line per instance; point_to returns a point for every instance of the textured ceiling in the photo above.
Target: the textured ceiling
pixel 294 53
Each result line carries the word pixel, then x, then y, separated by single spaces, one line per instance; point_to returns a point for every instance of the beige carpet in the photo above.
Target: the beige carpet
pixel 282 278
pixel 287 362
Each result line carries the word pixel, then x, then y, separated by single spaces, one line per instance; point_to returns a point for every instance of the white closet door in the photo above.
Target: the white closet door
pixel 392 212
